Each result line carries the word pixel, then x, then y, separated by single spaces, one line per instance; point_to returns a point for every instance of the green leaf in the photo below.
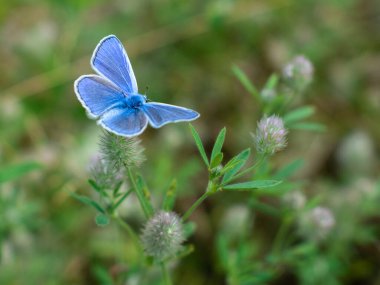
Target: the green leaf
pixel 144 195
pixel 117 188
pixel 88 201
pixel 218 144
pixel 122 198
pixel 298 114
pixel 305 249
pixel 102 275
pixel 240 75
pixel 189 229
pixel 257 184
pixel 265 208
pixel 314 202
pixel 102 220
pixel 271 82
pixel 217 160
pixel 222 250
pixel 185 251
pixel 199 144
pixel 94 185
pixel 289 169
pixel 316 127
pixel 170 196
pixel 235 164
pixel 12 172
pixel 278 190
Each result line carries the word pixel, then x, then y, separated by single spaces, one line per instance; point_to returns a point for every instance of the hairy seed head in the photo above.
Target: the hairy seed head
pixel 163 235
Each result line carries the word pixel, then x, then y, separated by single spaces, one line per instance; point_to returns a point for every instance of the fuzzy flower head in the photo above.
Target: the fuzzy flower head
pixel 163 235
pixel 299 72
pixel 270 136
pixel 120 152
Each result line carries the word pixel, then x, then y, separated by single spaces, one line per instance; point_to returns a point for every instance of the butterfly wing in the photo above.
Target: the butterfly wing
pixel 126 122
pixel 111 60
pixel 160 114
pixel 97 94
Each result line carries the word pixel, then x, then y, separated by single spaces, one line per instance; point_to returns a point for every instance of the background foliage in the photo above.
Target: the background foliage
pixel 182 53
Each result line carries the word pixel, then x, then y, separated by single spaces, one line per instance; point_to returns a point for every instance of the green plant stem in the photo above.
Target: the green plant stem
pixel 165 274
pixel 281 234
pixel 139 194
pixel 194 206
pixel 135 239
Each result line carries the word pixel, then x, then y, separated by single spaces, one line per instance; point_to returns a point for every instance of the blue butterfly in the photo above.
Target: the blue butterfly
pixel 112 96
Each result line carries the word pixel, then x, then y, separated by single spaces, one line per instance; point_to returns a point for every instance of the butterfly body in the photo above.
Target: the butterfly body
pixel 112 96
pixel 135 101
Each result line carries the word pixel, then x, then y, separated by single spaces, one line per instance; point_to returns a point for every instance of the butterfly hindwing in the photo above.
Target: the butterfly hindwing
pixel 111 60
pixel 160 114
pixel 125 122
pixel 97 94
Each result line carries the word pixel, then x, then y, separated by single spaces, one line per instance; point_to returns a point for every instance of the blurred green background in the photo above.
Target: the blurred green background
pixel 182 53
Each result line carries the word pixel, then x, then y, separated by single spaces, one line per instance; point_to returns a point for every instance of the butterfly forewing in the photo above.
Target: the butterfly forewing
pixel 111 60
pixel 97 94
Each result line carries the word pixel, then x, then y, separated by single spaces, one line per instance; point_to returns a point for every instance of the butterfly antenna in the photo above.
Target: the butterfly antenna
pixel 146 97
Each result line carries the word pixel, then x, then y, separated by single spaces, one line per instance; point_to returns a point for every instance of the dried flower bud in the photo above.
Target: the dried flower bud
pixel 318 223
pixel 119 151
pixel 270 136
pixel 236 221
pixel 105 176
pixel 323 218
pixel 163 235
pixel 268 94
pixel 356 155
pixel 299 72
pixel 295 199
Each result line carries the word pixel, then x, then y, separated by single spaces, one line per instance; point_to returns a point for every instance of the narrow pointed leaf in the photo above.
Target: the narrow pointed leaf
pixel 235 164
pixel 298 114
pixel 185 251
pixel 170 196
pixel 256 204
pixel 12 172
pixel 218 144
pixel 244 80
pixel 117 188
pixel 289 169
pixel 94 185
pixel 257 184
pixel 88 201
pixel 315 127
pixel 199 144
pixel 144 195
pixel 217 160
pixel 121 199
pixel 271 82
